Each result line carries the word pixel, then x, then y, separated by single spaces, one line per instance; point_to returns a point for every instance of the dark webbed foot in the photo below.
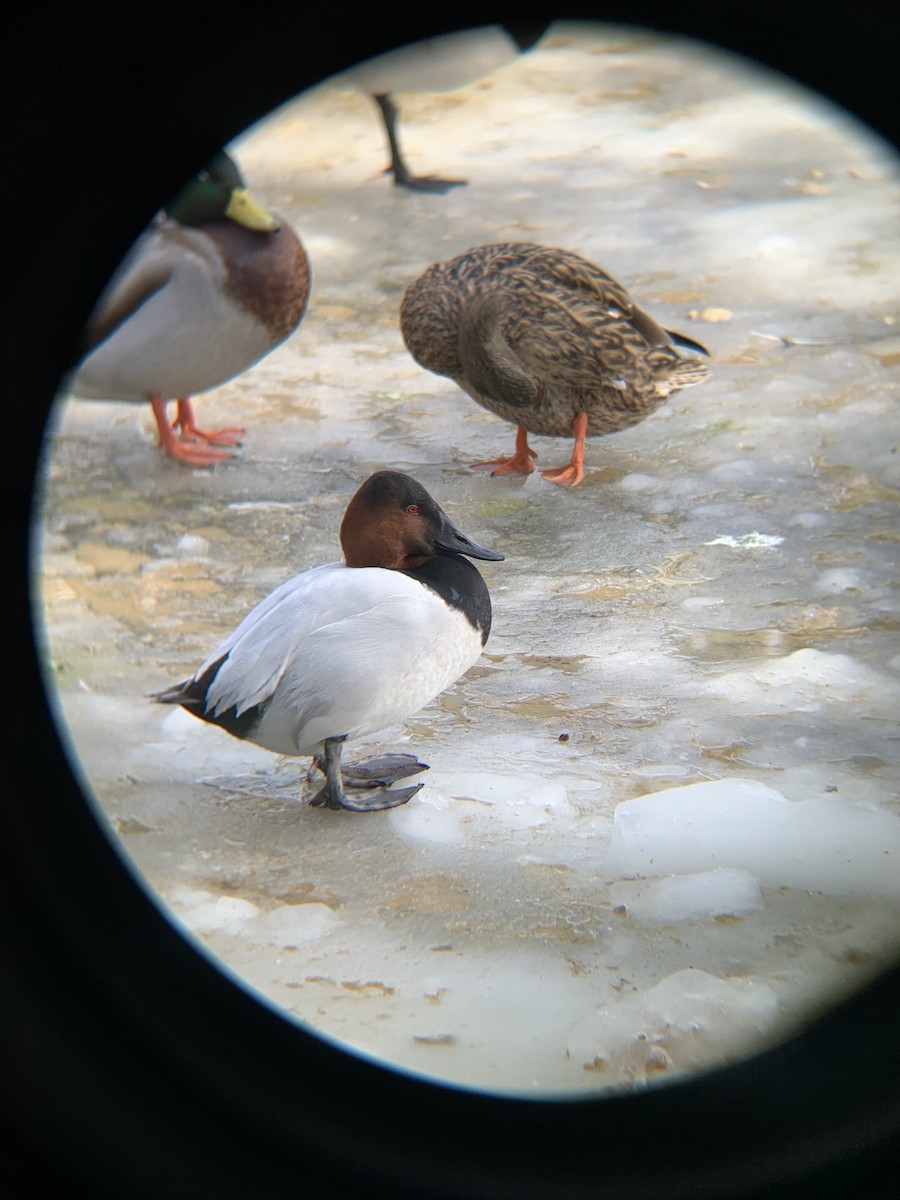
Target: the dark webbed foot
pixel 403 177
pixel 380 771
pixel 370 776
pixel 371 800
pixel 425 183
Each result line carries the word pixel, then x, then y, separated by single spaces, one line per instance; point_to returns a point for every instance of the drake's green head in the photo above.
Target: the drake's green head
pixel 219 191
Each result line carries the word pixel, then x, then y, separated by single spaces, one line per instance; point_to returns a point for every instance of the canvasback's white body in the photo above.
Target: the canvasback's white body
pixel 340 650
pixel 348 648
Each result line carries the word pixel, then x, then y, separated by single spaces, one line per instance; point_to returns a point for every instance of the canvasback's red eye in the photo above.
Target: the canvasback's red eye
pixel 412 508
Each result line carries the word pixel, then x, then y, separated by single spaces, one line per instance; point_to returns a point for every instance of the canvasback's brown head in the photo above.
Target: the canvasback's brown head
pixel 393 522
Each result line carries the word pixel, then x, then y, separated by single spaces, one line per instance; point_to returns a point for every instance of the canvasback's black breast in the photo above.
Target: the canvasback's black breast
pixel 460 585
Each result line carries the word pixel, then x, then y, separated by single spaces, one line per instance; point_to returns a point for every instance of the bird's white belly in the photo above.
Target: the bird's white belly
pixel 357 694
pixel 186 339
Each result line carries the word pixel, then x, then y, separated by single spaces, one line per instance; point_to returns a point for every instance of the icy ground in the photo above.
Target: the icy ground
pixel 660 829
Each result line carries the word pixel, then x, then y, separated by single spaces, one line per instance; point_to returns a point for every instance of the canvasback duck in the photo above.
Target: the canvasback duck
pixel 437 64
pixel 207 291
pixel 547 340
pixel 348 648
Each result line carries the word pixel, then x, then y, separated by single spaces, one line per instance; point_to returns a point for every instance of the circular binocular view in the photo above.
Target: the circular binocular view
pixel 465 559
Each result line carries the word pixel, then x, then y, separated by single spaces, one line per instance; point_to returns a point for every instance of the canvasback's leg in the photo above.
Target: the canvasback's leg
pixel 194 456
pixel 187 423
pixel 372 772
pixel 403 177
pixel 520 462
pixel 573 474
pixel 332 795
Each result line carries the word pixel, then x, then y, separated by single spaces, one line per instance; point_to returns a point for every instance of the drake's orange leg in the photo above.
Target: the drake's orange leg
pixel 194 456
pixel 187 423
pixel 520 462
pixel 573 474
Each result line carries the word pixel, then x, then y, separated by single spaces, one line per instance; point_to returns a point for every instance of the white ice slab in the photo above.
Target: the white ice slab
pixel 726 891
pixel 822 845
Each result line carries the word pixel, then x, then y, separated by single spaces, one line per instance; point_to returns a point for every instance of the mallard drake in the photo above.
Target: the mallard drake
pixel 438 64
pixel 546 340
pixel 348 648
pixel 213 285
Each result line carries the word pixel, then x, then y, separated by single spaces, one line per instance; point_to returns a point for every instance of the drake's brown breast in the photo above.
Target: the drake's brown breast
pixel 266 274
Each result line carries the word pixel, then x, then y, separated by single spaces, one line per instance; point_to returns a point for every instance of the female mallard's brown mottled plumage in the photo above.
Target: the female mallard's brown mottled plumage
pixel 546 340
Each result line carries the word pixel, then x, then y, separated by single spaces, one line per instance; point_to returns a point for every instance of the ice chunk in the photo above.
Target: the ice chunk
pixel 224 915
pixel 636 482
pixel 292 924
pixel 839 579
pixel 192 546
pixel 726 891
pixel 514 801
pixel 821 844
pixel 688 1021
pixel 429 817
pixel 457 803
pixel 752 541
pixel 806 681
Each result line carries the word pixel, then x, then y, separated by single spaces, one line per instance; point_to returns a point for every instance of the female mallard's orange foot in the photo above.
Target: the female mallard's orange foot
pixel 569 476
pixel 573 474
pixel 502 466
pixel 520 462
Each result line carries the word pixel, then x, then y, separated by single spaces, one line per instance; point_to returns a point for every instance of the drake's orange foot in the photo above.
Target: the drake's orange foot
pixel 216 437
pixel 194 455
pixel 187 423
pixel 190 453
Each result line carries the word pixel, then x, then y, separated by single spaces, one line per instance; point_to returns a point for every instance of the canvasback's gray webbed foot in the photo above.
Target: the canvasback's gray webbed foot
pixel 381 770
pixel 366 776
pixel 376 800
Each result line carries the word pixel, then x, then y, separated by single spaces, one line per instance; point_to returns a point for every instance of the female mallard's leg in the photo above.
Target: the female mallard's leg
pixel 194 456
pixel 573 474
pixel 520 462
pixel 332 795
pixel 187 423
pixel 403 177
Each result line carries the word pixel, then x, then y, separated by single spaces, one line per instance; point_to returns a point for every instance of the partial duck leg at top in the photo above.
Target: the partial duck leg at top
pixel 403 177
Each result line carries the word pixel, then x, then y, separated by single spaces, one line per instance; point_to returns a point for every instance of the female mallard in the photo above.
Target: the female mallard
pixel 547 340
pixel 206 292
